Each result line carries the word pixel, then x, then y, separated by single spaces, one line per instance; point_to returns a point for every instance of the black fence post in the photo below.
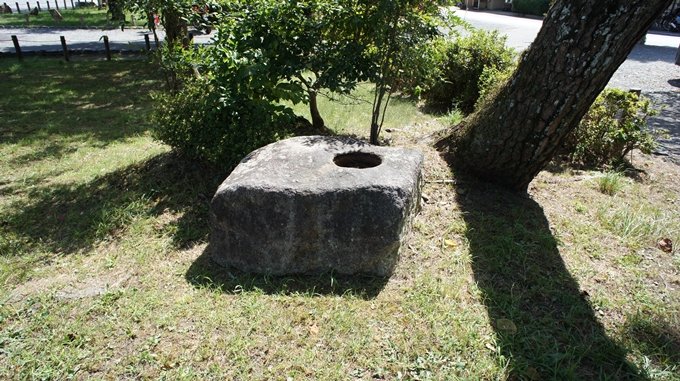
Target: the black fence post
pixel 148 43
pixel 73 6
pixel 15 40
pixel 108 49
pixel 18 10
pixel 39 9
pixel 28 6
pixel 63 47
pixel 48 5
pixel 56 4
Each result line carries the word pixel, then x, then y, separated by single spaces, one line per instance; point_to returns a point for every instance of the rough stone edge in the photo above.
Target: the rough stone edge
pixel 389 263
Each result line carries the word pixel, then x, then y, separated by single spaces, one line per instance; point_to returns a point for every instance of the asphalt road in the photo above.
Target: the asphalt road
pixel 48 39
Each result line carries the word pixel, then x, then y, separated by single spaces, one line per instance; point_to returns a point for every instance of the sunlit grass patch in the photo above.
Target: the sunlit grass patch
pixel 92 17
pixel 351 114
pixel 639 224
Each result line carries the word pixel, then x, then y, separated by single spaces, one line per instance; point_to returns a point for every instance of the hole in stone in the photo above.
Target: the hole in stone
pixel 357 160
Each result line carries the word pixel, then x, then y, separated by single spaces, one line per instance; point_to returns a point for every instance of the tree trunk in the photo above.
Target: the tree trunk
pixel 175 28
pixel 317 121
pixel 580 46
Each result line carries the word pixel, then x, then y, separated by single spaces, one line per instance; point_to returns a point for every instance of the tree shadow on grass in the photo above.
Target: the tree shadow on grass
pixel 67 218
pixel 205 273
pixel 81 101
pixel 659 340
pixel 545 325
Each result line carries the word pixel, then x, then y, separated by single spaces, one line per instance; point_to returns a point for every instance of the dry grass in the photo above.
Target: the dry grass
pixel 106 273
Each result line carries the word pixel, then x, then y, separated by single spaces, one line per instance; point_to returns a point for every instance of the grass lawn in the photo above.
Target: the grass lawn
pixel 105 272
pixel 92 17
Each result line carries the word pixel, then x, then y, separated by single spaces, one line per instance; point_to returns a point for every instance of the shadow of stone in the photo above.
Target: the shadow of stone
pixel 205 273
pixel 544 323
pixel 674 82
pixel 66 218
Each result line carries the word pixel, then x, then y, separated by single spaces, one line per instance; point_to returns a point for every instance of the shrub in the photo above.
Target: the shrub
pixel 217 115
pixel 491 82
pixel 531 7
pixel 481 54
pixel 206 124
pixel 268 51
pixel 615 124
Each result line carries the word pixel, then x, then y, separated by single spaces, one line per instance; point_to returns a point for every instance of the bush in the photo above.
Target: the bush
pixel 481 54
pixel 208 125
pixel 615 124
pixel 531 7
pixel 216 115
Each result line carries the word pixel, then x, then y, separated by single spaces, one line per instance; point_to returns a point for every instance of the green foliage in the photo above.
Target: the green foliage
pixel 491 81
pixel 333 44
pixel 470 64
pixel 205 123
pixel 225 99
pixel 310 46
pixel 222 115
pixel 400 36
pixel 531 7
pixel 615 124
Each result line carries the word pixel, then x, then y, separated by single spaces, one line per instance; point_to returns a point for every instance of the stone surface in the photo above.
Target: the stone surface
pixel 313 204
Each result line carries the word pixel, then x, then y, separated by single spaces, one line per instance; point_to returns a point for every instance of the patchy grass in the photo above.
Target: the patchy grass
pixel 92 17
pixel 105 269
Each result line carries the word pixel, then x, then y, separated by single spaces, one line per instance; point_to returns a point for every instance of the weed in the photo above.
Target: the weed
pixel 579 207
pixel 452 118
pixel 611 183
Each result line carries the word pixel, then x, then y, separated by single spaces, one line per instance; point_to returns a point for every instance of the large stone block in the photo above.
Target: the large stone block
pixel 313 204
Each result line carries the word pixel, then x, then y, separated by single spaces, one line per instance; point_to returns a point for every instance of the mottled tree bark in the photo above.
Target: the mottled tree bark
pixel 580 46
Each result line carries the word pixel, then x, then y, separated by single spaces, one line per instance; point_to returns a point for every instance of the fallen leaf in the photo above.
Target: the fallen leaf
pixel 506 325
pixel 491 347
pixel 448 242
pixel 313 328
pixel 666 245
